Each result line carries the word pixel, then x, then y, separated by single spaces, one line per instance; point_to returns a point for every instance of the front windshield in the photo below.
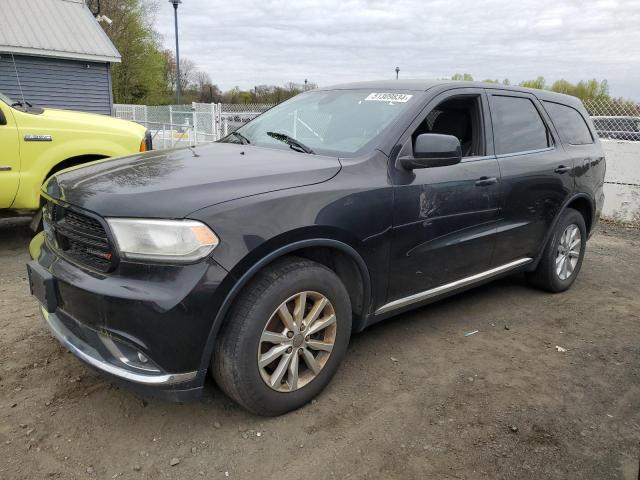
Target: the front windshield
pixel 335 122
pixel 6 99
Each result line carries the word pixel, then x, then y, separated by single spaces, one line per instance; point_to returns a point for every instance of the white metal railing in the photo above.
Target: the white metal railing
pixel 167 135
pixel 181 125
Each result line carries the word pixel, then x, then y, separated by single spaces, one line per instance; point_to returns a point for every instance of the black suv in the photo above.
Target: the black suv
pixel 256 257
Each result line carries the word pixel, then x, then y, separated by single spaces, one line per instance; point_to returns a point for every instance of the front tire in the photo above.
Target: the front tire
pixel 562 257
pixel 285 337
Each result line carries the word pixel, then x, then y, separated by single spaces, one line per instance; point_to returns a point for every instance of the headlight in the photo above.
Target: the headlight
pixel 162 240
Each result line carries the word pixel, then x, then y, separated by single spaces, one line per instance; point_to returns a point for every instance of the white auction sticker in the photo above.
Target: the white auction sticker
pixel 388 97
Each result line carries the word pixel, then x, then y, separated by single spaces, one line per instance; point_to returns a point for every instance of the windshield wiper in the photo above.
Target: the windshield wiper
pixel 292 142
pixel 243 140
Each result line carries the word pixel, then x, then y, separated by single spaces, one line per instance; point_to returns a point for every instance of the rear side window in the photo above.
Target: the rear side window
pixel 570 124
pixel 517 125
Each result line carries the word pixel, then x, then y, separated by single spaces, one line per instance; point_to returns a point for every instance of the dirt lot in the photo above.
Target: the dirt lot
pixel 416 398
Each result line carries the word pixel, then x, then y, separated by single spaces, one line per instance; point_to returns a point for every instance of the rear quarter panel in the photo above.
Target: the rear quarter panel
pixel 590 175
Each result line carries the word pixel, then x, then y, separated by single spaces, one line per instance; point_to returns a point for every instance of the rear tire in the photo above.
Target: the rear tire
pixel 562 257
pixel 267 321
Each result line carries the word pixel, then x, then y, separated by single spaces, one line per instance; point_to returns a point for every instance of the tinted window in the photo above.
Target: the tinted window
pixel 570 124
pixel 517 125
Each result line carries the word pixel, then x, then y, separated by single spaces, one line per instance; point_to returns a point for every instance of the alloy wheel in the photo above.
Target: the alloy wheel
pixel 568 251
pixel 297 341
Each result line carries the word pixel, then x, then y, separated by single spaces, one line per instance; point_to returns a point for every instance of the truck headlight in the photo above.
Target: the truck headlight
pixel 181 241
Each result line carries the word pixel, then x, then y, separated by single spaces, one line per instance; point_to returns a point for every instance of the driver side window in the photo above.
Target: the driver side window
pixel 460 117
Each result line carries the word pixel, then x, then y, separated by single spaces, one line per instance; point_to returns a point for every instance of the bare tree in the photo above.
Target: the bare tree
pixel 205 90
pixel 201 80
pixel 187 71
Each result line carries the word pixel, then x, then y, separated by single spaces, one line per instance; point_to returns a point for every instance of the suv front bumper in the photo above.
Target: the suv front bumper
pixel 144 326
pixel 108 364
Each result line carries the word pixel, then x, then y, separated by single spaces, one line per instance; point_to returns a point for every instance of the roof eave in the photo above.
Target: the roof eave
pixel 35 52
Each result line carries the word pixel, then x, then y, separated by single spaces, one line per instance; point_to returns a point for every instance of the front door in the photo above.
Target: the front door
pixel 9 157
pixel 445 217
pixel 537 174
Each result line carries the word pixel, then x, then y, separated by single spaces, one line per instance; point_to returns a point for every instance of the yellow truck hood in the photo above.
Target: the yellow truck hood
pixel 91 121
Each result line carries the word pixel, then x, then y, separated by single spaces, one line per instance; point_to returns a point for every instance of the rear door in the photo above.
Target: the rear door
pixel 9 157
pixel 537 174
pixel 581 146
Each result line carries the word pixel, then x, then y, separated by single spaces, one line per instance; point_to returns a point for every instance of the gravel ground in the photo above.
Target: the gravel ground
pixel 416 398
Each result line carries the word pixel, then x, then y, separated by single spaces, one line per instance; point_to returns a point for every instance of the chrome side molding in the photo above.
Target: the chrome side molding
pixel 5 168
pixel 449 287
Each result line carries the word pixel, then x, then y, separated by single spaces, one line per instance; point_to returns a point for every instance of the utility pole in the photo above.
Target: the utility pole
pixel 397 72
pixel 175 4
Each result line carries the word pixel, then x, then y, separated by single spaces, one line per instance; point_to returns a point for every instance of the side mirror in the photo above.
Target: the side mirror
pixel 433 150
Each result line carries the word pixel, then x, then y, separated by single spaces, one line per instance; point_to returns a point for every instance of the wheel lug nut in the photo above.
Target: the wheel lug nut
pixel 289 350
pixel 299 351
pixel 306 339
pixel 302 327
pixel 289 334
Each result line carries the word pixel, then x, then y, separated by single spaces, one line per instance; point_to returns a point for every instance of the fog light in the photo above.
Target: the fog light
pixel 128 355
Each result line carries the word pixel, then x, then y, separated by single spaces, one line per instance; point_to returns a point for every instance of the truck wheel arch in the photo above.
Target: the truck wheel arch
pixel 68 163
pixel 72 162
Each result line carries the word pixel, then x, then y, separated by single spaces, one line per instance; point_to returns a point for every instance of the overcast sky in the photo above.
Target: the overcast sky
pixel 249 42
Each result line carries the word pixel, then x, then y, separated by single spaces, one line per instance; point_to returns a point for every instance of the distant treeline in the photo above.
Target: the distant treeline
pixel 594 94
pixel 584 89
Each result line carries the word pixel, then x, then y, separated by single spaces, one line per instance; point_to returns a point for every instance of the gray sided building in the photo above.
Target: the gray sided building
pixel 56 54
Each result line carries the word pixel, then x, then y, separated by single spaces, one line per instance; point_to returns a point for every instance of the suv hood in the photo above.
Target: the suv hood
pixel 174 183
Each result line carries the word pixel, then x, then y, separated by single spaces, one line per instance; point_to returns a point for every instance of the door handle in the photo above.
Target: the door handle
pixel 562 169
pixel 486 181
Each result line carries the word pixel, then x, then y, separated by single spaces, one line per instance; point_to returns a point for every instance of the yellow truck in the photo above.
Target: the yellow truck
pixel 35 143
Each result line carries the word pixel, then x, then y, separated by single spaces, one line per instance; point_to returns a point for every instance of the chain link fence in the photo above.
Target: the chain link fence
pixel 183 125
pixel 615 119
pixel 233 116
